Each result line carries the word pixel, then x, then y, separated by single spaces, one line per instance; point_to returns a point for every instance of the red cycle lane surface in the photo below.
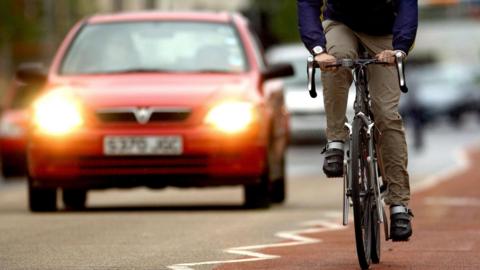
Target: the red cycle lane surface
pixel 446 234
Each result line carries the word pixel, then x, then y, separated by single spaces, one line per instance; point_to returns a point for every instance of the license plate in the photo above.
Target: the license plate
pixel 142 145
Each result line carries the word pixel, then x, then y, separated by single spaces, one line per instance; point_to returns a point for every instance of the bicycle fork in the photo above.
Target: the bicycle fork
pixel 347 178
pixel 373 175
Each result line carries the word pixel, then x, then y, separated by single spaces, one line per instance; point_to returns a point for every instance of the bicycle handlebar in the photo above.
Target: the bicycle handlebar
pixel 400 60
pixel 352 63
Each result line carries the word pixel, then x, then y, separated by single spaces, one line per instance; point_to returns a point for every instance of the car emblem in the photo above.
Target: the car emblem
pixel 143 115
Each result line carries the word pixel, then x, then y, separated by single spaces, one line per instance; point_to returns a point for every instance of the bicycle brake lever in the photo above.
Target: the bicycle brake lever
pixel 311 77
pixel 399 57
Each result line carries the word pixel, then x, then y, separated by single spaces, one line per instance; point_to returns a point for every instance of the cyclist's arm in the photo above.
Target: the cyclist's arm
pixel 406 24
pixel 309 23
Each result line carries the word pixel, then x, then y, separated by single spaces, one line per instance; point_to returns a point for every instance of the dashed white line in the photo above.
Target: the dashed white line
pixel 453 201
pixel 297 238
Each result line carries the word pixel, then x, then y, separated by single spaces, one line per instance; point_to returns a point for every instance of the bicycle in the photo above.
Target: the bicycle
pixel 362 164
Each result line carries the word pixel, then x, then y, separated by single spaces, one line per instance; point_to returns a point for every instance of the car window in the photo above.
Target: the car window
pixel 155 46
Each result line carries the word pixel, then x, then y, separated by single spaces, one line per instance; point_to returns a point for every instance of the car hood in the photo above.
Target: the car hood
pixel 155 90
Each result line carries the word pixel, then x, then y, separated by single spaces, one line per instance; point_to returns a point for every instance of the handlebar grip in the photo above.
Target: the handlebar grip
pixel 399 59
pixel 311 77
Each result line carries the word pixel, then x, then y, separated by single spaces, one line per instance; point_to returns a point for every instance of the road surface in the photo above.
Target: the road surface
pixel 174 228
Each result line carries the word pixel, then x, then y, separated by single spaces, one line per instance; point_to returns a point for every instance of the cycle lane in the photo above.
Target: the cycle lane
pixel 446 234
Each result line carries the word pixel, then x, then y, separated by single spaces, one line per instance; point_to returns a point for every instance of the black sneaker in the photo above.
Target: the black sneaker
pixel 400 223
pixel 333 162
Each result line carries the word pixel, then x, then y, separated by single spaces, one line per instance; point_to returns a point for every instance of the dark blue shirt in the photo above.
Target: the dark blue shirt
pixel 373 17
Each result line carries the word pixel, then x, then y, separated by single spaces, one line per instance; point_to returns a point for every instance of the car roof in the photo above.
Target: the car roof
pixel 219 17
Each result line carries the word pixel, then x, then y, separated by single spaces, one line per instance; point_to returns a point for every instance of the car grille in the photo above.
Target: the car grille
pixel 149 115
pixel 146 163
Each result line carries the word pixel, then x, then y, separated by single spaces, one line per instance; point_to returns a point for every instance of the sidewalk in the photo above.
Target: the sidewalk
pixel 446 234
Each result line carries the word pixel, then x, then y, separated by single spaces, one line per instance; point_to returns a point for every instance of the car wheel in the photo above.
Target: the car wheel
pixel 279 191
pixel 10 170
pixel 42 200
pixel 279 188
pixel 74 199
pixel 258 195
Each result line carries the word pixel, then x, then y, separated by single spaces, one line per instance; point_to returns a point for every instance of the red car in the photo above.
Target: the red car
pixel 156 100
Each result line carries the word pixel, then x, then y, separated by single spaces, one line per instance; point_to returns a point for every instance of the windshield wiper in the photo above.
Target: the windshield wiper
pixel 137 70
pixel 221 71
pixel 152 70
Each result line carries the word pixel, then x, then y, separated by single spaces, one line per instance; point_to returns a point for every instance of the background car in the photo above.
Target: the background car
pixel 14 121
pixel 158 99
pixel 446 92
pixel 307 115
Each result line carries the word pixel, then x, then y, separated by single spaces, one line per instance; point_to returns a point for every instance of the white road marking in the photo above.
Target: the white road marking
pixel 453 201
pixel 297 238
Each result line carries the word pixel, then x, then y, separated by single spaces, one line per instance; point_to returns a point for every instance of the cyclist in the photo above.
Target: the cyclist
pixel 332 29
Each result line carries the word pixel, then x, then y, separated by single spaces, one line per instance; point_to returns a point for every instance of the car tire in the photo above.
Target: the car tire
pixel 279 187
pixel 257 196
pixel 10 170
pixel 41 199
pixel 279 191
pixel 74 199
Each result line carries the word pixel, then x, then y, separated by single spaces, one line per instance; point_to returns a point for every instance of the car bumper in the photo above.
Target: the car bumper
pixel 208 159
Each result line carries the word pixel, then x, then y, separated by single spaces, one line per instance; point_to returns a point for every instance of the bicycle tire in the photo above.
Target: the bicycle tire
pixel 375 247
pixel 361 206
pixel 377 203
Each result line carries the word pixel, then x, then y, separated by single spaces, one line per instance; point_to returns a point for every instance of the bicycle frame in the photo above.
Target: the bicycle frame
pixel 362 111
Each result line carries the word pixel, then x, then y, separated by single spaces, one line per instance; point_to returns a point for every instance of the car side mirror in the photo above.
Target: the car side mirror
pixel 32 73
pixel 278 71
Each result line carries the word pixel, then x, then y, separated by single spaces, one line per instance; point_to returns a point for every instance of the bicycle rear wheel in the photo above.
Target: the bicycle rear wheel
pixel 362 198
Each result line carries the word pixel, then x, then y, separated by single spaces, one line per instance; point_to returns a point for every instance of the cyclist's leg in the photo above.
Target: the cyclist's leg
pixel 385 95
pixel 341 43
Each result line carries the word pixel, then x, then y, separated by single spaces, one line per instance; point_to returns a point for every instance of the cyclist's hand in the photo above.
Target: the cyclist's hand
pixel 386 56
pixel 325 59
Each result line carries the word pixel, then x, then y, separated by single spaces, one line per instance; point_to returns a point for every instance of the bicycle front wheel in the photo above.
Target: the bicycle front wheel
pixel 362 198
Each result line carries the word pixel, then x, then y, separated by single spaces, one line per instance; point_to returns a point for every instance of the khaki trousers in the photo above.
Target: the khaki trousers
pixel 342 42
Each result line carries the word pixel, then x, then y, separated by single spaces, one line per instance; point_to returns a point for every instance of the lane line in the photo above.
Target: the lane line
pixel 297 238
pixel 453 201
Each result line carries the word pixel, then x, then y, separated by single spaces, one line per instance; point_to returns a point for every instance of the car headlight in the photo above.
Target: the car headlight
pixel 231 117
pixel 57 113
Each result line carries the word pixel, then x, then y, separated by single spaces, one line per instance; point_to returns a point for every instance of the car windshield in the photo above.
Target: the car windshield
pixel 159 46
